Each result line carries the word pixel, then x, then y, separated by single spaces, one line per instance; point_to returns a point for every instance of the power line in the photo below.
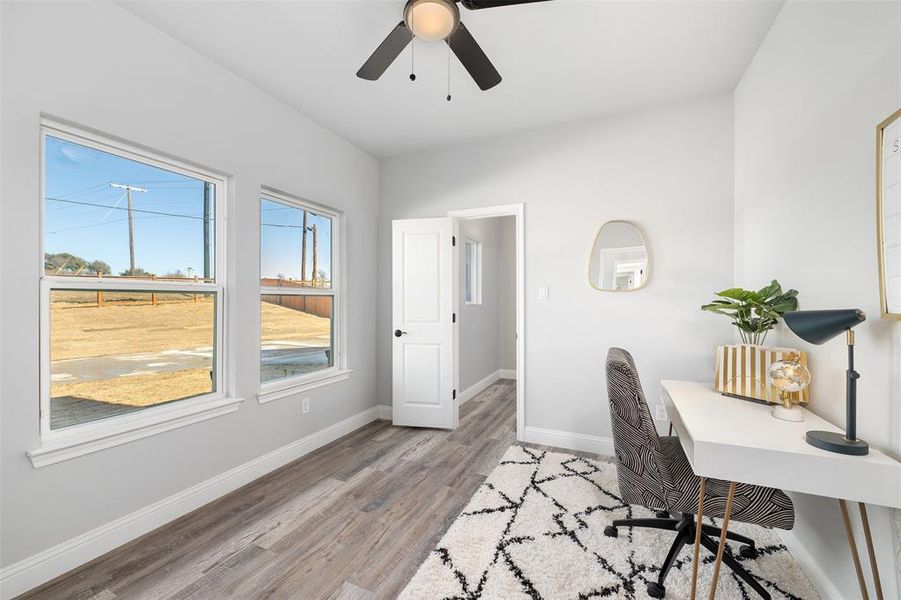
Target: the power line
pixel 139 210
pixel 99 224
pixel 155 212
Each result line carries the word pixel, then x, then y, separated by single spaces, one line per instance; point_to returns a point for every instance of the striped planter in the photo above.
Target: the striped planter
pixel 741 371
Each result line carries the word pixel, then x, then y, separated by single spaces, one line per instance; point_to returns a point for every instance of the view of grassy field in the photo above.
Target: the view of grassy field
pixel 132 352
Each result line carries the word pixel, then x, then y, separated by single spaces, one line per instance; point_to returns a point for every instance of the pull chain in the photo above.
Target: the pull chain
pixel 448 74
pixel 412 51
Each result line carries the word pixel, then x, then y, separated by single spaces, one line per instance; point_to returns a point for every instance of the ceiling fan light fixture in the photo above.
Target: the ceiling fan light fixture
pixel 431 20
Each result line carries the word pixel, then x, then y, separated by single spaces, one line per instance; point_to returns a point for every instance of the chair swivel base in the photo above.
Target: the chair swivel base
pixel 685 529
pixel 837 442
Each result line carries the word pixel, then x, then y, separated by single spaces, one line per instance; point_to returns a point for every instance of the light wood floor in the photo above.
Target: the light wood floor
pixel 352 520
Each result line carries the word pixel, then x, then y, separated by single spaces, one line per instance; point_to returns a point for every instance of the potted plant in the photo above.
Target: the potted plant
pixel 754 313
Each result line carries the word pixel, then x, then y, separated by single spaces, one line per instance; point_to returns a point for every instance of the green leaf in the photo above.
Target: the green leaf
pixel 738 294
pixel 769 291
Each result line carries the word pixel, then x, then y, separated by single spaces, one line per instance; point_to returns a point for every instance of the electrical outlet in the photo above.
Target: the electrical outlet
pixel 305 406
pixel 543 293
pixel 661 412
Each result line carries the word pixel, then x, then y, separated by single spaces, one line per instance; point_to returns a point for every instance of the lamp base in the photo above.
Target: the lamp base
pixel 793 413
pixel 837 442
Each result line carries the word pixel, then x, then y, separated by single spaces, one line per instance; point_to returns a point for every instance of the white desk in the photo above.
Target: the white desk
pixel 737 440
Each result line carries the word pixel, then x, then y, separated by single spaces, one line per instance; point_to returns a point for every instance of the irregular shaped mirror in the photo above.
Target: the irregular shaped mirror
pixel 620 260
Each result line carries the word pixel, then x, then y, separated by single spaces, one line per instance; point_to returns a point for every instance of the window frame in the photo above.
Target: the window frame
pixel 338 371
pixel 475 272
pixel 122 428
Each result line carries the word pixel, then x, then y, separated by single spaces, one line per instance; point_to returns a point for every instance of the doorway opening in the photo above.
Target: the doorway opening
pixel 491 343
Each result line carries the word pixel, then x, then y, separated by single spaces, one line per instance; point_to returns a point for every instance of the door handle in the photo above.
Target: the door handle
pixel 398 333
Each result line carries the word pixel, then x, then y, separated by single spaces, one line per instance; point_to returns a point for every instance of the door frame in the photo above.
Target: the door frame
pixel 516 210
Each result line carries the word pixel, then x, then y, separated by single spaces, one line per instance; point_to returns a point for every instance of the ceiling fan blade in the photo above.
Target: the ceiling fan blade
pixel 385 54
pixel 479 4
pixel 473 58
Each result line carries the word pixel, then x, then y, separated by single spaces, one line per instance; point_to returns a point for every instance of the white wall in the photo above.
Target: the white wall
pixel 482 326
pixel 96 64
pixel 805 213
pixel 669 169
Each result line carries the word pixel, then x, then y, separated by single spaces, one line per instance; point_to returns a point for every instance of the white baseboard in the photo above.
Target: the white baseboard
pixel 53 562
pixel 507 373
pixel 819 578
pixel 478 387
pixel 571 441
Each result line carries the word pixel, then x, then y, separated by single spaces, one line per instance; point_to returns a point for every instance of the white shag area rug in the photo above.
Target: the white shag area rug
pixel 535 529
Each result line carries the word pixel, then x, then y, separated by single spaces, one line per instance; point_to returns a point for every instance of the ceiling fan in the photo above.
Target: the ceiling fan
pixel 433 21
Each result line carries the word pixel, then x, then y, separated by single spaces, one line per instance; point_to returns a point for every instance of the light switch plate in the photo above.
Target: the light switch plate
pixel 305 406
pixel 661 412
pixel 543 293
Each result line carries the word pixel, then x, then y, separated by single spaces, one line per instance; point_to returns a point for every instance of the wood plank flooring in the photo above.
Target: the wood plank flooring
pixel 350 521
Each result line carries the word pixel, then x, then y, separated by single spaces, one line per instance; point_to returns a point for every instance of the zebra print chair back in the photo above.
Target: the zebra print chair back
pixel 637 446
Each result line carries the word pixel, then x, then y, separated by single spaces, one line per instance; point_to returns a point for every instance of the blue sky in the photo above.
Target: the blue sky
pixel 87 217
pixel 280 241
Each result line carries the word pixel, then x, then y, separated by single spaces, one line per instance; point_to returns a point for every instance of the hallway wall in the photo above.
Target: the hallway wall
pixel 487 341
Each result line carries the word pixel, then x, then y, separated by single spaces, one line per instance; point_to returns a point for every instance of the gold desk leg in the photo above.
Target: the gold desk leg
pixel 869 539
pixel 719 551
pixel 694 564
pixel 853 545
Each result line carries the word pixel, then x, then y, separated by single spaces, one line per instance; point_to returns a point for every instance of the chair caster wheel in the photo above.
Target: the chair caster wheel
pixel 655 590
pixel 748 552
pixel 611 531
pixel 662 514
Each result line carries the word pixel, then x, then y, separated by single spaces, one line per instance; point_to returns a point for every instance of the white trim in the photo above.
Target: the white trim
pixel 296 385
pixel 569 440
pixel 219 288
pixel 818 577
pixel 44 566
pixel 518 211
pixel 478 387
pixel 100 435
pixel 507 373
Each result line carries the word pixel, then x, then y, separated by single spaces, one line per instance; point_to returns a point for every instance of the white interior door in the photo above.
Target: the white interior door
pixel 424 279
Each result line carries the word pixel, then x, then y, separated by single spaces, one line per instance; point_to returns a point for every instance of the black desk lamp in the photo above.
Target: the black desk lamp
pixel 817 327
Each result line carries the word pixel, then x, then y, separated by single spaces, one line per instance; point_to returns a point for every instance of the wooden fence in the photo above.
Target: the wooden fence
pixel 321 306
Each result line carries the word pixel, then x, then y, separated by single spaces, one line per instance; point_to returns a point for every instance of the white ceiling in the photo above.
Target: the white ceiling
pixel 561 61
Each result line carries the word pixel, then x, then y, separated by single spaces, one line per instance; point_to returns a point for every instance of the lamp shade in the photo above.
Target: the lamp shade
pixel 820 326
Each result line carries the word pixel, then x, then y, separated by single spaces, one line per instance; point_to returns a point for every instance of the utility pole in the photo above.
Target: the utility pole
pixel 303 251
pixel 207 250
pixel 315 257
pixel 131 226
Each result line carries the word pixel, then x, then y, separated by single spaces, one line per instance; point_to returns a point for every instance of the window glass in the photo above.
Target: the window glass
pixel 114 352
pixel 295 246
pixel 472 272
pixel 296 335
pixel 110 215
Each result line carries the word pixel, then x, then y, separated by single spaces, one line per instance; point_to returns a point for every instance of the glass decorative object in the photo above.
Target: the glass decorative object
pixel 789 376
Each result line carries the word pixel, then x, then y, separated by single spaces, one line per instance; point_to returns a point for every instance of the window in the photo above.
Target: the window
pixel 472 273
pixel 299 293
pixel 131 281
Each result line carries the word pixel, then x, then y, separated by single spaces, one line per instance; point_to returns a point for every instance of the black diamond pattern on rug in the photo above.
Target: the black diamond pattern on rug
pixel 534 529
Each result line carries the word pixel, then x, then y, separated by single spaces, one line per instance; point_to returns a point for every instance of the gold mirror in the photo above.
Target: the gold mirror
pixel 620 258
pixel 888 211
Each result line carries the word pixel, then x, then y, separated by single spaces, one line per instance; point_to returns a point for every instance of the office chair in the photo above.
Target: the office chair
pixel 654 472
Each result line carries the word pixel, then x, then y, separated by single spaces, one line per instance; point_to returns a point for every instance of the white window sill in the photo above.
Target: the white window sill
pixel 92 437
pixel 281 389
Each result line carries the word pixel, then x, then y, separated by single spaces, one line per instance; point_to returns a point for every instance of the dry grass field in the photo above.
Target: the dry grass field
pixel 140 390
pixel 129 326
pixel 82 331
